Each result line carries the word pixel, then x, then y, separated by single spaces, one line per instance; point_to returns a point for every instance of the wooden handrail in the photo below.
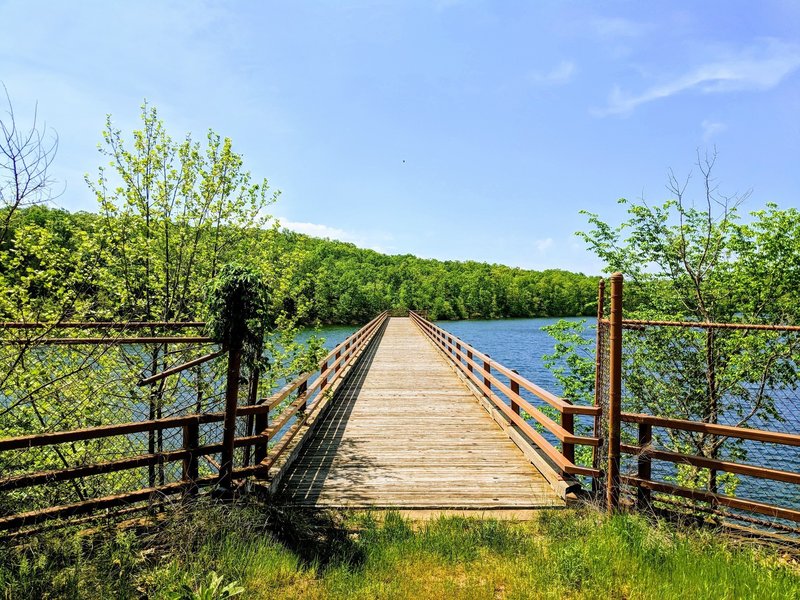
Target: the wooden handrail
pixel 713 463
pixel 557 430
pixel 102 325
pixel 110 341
pixel 560 404
pixel 309 393
pixel 713 499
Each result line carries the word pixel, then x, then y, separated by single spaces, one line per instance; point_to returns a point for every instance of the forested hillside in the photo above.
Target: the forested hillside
pixel 52 254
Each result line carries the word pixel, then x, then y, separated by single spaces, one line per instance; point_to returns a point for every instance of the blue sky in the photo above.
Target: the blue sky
pixel 448 129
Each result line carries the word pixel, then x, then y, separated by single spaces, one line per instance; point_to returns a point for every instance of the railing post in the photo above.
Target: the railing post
pixel 301 390
pixel 598 383
pixel 229 423
pixel 568 423
pixel 323 374
pixel 515 390
pixel 469 357
pixel 335 359
pixel 614 394
pixel 487 368
pixel 644 464
pixel 260 450
pixel 252 398
pixel 191 441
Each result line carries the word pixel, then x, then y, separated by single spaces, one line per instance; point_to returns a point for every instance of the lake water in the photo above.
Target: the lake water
pixel 516 343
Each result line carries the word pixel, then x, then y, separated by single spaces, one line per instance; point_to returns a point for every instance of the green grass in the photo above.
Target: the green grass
pixel 273 553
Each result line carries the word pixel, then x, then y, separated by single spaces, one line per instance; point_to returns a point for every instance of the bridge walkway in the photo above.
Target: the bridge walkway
pixel 404 431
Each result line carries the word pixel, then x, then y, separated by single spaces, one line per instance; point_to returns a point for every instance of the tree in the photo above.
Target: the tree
pixel 173 214
pixel 26 154
pixel 698 262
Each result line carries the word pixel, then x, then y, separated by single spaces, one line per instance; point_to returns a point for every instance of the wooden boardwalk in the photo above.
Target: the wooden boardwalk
pixel 404 431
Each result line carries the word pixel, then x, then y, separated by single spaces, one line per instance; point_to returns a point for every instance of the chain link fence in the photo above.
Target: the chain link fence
pixel 67 379
pixel 710 419
pixel 726 374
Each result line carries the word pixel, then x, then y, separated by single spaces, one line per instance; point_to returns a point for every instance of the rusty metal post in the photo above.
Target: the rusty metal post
pixel 515 390
pixel 229 423
pixel 191 441
pixel 598 391
pixel 644 464
pixel 252 398
pixel 614 394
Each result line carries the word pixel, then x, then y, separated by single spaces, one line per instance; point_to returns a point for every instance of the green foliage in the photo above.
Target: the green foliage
pixel 687 263
pixel 105 259
pixel 238 309
pixel 171 213
pixel 572 361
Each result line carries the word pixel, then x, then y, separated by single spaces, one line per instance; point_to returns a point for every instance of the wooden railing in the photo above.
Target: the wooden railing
pixel 484 373
pixel 308 388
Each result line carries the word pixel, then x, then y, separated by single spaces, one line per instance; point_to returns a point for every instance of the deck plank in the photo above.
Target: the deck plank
pixel 404 432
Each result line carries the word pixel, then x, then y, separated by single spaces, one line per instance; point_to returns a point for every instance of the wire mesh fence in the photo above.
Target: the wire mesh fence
pixel 602 380
pixel 67 379
pixel 722 374
pixel 710 418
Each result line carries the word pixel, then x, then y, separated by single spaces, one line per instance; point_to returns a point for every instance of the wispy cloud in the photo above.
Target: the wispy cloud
pixel 711 128
pixel 756 68
pixel 559 75
pixel 324 231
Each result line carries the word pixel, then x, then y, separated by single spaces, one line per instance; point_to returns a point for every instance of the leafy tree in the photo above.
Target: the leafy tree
pixel 697 262
pixel 173 211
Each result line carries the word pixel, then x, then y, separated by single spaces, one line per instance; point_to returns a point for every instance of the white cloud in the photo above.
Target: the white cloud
pixel 559 75
pixel 317 230
pixel 711 128
pixel 543 245
pixel 756 68
pixel 324 231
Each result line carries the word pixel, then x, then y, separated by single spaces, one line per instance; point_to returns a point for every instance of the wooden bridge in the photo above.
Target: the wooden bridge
pixel 407 429
pixel 404 431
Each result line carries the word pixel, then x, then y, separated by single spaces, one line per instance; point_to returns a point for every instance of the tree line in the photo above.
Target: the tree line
pixel 112 268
